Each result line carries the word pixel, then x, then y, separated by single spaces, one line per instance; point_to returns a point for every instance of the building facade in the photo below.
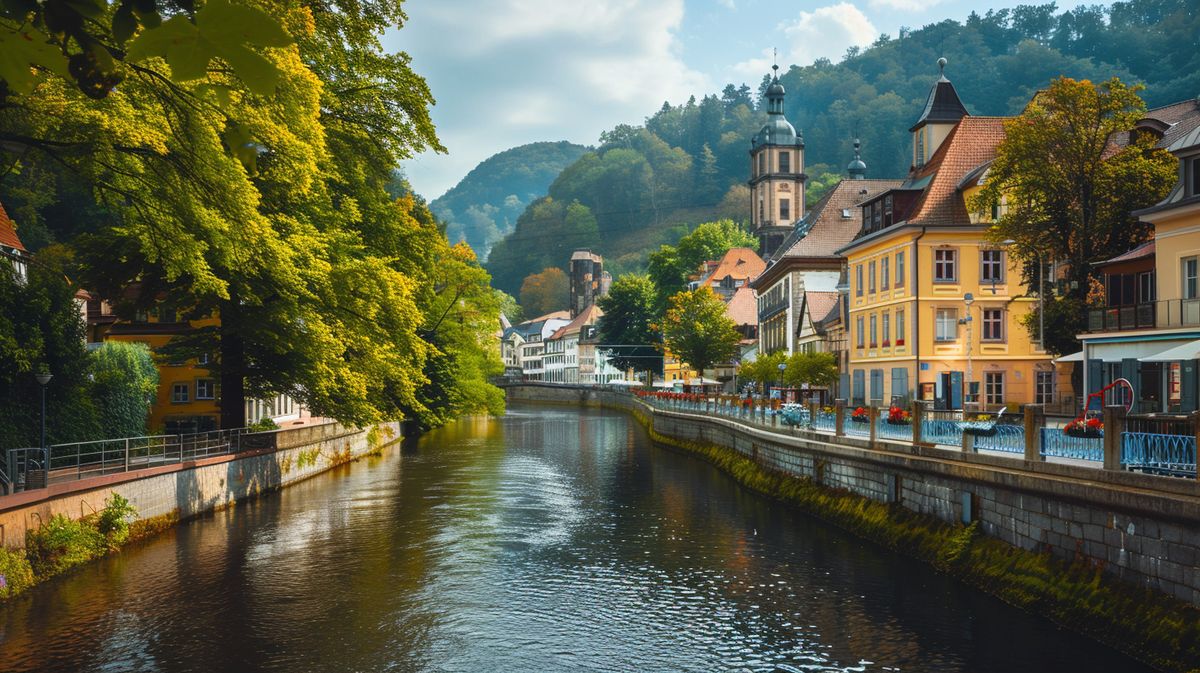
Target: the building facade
pixel 588 280
pixel 776 174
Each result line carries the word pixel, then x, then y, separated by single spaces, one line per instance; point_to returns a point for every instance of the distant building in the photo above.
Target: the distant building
pixel 776 174
pixel 736 268
pixel 562 359
pixel 523 346
pixel 12 250
pixel 588 280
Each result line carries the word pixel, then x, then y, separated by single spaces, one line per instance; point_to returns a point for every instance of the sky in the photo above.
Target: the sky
pixel 509 72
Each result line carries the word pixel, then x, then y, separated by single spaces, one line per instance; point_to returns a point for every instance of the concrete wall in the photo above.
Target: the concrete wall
pixel 1142 528
pixel 204 485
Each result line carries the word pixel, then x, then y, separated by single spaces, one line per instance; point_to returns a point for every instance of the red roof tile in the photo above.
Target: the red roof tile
pixel 971 143
pixel 8 232
pixel 742 307
pixel 740 263
pixel 820 304
pixel 823 231
pixel 588 316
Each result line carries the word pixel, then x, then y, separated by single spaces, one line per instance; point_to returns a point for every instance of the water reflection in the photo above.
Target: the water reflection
pixel 550 540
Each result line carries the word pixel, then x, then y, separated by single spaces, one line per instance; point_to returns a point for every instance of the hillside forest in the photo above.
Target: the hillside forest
pixel 647 185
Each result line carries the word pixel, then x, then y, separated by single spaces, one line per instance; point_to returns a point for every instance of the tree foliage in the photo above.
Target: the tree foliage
pixel 696 329
pixel 123 382
pixel 1068 187
pixel 544 292
pixel 671 265
pixel 627 329
pixel 816 369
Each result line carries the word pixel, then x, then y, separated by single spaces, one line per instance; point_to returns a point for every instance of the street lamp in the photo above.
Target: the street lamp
pixel 43 378
pixel 968 299
pixel 782 367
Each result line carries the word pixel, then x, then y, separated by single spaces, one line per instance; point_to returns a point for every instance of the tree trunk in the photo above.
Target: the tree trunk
pixel 233 369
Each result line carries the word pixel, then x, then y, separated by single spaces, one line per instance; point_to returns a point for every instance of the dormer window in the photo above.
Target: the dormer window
pixel 920 147
pixel 845 213
pixel 1194 178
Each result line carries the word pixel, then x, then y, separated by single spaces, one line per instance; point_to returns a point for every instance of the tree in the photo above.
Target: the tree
pixel 816 369
pixel 764 369
pixel 509 307
pixel 544 292
pixel 124 381
pixel 41 331
pixel 696 329
pixel 626 329
pixel 1068 189
pixel 670 265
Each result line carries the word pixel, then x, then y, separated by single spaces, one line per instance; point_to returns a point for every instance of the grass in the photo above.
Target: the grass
pixel 1159 630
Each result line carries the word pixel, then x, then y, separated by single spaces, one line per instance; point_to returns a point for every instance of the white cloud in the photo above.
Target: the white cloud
pixel 904 5
pixel 515 71
pixel 827 32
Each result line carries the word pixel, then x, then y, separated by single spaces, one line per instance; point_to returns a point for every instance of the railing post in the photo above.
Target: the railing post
pixel 872 420
pixel 1114 425
pixel 918 421
pixel 839 418
pixel 1034 418
pixel 126 454
pixel 1195 418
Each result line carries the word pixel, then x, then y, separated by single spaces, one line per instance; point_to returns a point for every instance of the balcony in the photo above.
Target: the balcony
pixel 1163 314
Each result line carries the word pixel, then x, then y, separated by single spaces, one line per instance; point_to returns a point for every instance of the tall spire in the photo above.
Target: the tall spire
pixel 857 169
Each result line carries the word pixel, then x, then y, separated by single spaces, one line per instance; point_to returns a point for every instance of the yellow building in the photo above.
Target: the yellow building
pixel 934 309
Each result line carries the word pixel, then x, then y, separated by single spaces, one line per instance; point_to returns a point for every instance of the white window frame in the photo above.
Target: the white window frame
pixel 1043 390
pixel 212 389
pixel 177 389
pixel 899 327
pixel 993 388
pixel 884 280
pixel 945 259
pixel 860 336
pixel 899 269
pixel 989 266
pixel 944 318
pixel 1189 276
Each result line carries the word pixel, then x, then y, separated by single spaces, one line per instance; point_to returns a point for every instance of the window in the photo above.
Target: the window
pixel 203 359
pixel 874 332
pixel 762 163
pixel 993 387
pixel 1044 388
pixel 887 329
pixel 993 324
pixel 1146 291
pixel 845 213
pixel 920 147
pixel 945 265
pixel 761 210
pixel 179 393
pixel 1189 277
pixel 785 162
pixel 859 336
pixel 991 266
pixel 884 281
pixel 785 210
pixel 946 324
pixel 1195 182
pixel 858 280
pixel 900 327
pixel 900 269
pixel 204 389
pixel 871 276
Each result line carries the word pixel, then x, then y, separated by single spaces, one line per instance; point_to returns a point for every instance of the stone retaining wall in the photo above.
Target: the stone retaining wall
pixel 1142 528
pixel 205 485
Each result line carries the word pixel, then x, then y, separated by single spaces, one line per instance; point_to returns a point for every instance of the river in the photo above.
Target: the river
pixel 552 539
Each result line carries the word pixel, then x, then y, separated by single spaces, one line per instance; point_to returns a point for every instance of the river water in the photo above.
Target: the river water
pixel 549 540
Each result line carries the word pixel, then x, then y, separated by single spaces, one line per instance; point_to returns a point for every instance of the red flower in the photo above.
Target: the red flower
pixel 1095 423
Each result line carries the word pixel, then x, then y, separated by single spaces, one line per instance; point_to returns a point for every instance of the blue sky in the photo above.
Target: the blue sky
pixel 509 72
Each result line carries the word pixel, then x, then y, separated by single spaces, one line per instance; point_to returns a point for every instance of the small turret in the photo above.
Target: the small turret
pixel 856 169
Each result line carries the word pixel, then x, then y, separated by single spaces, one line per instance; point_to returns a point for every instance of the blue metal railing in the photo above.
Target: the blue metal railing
pixel 1159 453
pixel 1006 437
pixel 825 421
pixel 1058 444
pixel 886 430
pixel 941 431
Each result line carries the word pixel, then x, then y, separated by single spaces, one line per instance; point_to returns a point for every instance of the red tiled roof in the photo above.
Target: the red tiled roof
pixel 823 231
pixel 740 263
pixel 820 304
pixel 8 232
pixel 742 307
pixel 1144 250
pixel 971 143
pixel 588 316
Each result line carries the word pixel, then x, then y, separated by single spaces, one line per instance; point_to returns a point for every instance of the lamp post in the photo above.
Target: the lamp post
pixel 43 378
pixel 968 299
pixel 782 367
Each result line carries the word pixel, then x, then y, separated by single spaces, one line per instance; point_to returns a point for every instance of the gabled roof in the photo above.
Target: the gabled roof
pixel 1144 250
pixel 970 144
pixel 818 304
pixel 8 232
pixel 823 230
pixel 741 263
pixel 742 307
pixel 588 316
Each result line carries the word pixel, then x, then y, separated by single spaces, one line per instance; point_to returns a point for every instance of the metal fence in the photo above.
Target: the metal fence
pixel 26 469
pixel 1157 453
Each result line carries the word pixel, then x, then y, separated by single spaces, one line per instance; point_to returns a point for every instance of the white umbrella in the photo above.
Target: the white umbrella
pixel 624 382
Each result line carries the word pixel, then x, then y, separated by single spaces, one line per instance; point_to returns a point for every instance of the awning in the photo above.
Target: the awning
pixel 1073 357
pixel 1115 351
pixel 1188 351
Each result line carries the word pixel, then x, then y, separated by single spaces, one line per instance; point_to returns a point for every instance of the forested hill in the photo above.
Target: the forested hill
pixel 646 184
pixel 484 206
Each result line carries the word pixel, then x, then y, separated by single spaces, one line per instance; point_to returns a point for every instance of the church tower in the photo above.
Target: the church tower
pixel 943 110
pixel 776 174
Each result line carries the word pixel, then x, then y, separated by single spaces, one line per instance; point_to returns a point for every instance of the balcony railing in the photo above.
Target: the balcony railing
pixel 1164 314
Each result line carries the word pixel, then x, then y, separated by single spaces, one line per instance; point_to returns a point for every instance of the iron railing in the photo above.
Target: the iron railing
pixel 1173 455
pixel 26 469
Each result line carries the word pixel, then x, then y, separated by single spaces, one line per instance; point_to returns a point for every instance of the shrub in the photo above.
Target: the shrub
pixel 114 520
pixel 16 575
pixel 264 424
pixel 61 544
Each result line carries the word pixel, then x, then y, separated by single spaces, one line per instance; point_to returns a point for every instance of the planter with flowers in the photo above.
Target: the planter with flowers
pixel 860 415
pixel 898 416
pixel 1091 428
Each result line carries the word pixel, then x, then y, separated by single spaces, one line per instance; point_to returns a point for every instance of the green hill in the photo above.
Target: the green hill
pixel 484 206
pixel 645 185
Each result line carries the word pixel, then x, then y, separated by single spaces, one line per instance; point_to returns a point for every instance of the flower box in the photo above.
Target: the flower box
pixel 1091 428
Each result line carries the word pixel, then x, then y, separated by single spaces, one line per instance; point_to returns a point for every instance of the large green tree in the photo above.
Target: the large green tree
pixel 626 330
pixel 671 265
pixel 1066 188
pixel 545 291
pixel 696 329
pixel 123 381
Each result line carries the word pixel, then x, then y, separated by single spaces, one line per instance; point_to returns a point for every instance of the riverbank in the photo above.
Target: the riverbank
pixel 1079 593
pixel 46 532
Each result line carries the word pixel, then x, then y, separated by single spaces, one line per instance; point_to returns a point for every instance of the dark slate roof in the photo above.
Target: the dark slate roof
pixel 942 105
